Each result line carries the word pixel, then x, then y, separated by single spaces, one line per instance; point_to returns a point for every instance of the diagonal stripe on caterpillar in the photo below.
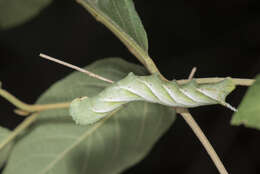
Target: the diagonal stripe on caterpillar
pixel 150 89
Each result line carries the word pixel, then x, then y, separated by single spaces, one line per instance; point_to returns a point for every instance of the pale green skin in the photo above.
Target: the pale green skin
pixel 150 89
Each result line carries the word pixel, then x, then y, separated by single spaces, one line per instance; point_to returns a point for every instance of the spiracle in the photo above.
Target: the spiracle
pixel 150 89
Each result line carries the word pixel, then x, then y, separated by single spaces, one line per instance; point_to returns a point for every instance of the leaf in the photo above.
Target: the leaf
pixel 57 145
pixel 122 19
pixel 4 153
pixel 16 12
pixel 249 110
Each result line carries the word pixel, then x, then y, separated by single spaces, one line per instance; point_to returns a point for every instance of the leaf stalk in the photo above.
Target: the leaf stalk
pixel 203 139
pixel 30 108
pixel 26 123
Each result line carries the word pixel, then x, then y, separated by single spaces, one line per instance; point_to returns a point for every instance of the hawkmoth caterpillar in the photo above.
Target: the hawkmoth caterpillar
pixel 150 89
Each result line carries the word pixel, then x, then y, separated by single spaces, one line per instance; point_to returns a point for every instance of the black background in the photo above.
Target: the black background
pixel 220 37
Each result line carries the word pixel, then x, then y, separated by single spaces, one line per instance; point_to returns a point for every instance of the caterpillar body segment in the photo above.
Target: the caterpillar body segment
pixel 150 89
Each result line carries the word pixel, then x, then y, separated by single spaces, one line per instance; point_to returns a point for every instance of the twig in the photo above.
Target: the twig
pixel 27 107
pixel 21 112
pixel 192 73
pixel 27 122
pixel 76 68
pixel 237 81
pixel 203 139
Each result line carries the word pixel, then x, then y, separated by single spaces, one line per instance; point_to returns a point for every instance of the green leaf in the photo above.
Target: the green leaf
pixel 249 110
pixel 57 145
pixel 122 19
pixel 16 12
pixel 4 152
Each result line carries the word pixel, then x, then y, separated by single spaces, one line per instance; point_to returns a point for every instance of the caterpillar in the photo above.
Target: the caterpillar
pixel 150 89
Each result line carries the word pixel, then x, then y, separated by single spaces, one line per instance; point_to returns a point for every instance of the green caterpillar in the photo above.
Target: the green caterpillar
pixel 150 89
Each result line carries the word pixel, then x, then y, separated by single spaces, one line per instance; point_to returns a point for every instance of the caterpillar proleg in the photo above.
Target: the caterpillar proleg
pixel 150 89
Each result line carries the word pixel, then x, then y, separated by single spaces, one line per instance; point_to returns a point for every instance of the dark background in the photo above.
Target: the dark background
pixel 220 37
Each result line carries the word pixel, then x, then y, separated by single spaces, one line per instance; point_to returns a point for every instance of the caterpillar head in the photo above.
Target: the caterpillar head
pixel 81 112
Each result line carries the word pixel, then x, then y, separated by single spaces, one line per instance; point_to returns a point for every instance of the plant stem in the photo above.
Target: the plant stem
pixel 26 123
pixel 192 73
pixel 203 139
pixel 237 81
pixel 30 108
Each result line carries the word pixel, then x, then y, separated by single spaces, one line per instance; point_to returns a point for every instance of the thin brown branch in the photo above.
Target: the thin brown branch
pixel 91 74
pixel 203 139
pixel 237 81
pixel 25 108
pixel 27 122
pixel 192 73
